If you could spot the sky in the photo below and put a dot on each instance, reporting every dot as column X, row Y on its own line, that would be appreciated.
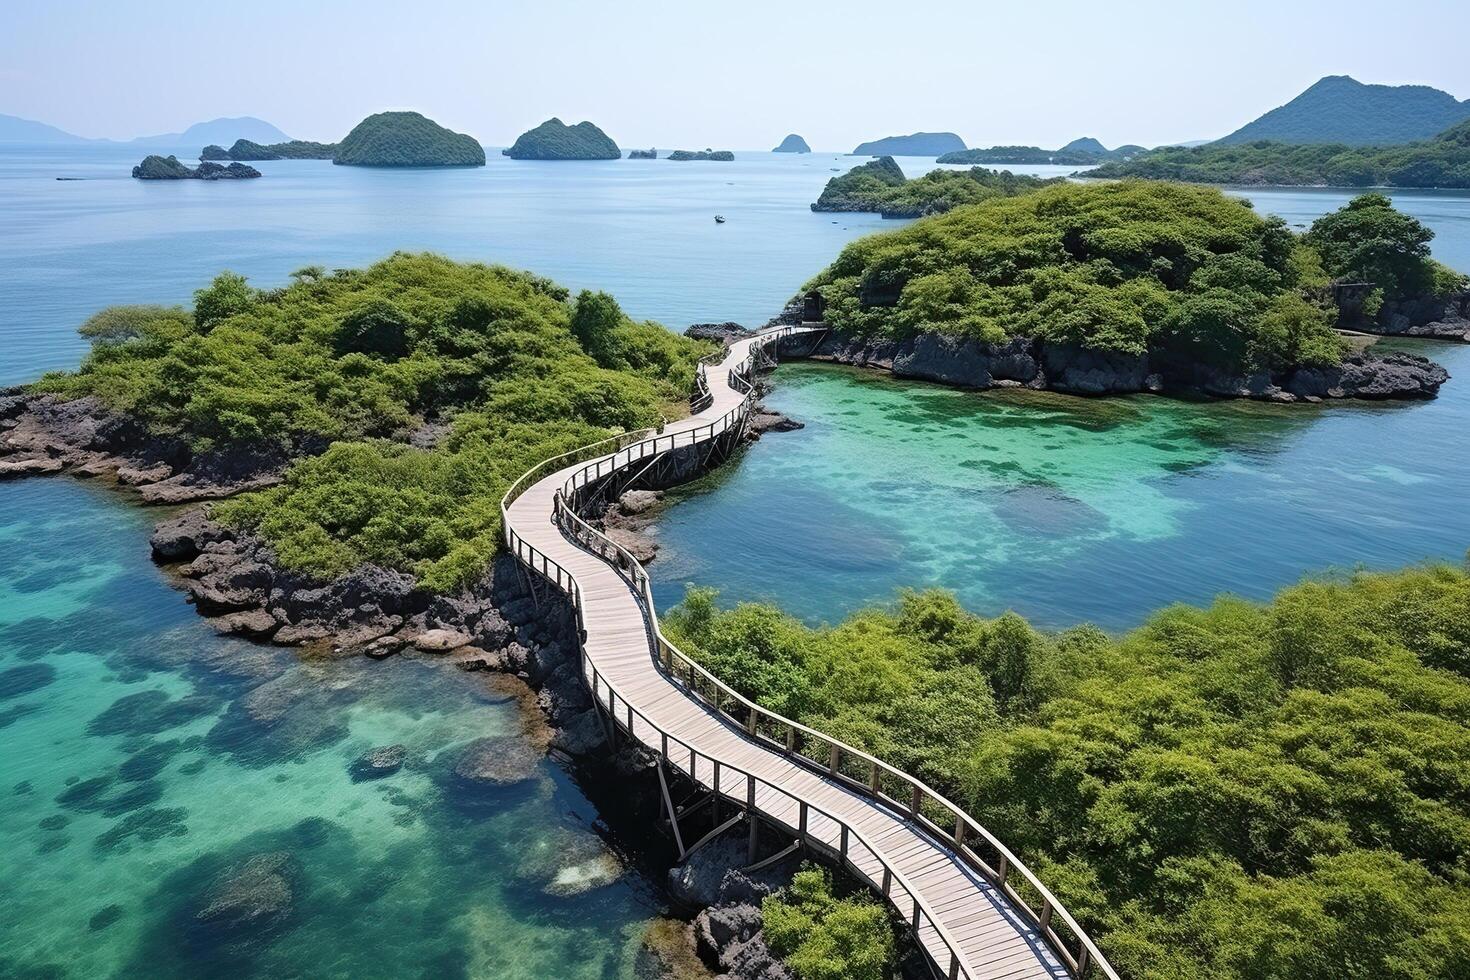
column 692, row 74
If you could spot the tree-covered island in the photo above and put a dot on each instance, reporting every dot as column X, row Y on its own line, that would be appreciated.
column 1120, row 287
column 407, row 139
column 880, row 185
column 719, row 156
column 155, row 167
column 249, row 151
column 391, row 405
column 555, row 140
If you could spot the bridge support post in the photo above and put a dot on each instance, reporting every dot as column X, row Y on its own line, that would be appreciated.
column 663, row 785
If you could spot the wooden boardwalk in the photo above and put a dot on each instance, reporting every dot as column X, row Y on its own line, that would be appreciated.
column 976, row 910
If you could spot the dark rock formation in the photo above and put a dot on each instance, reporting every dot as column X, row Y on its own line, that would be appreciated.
column 45, row 434
column 1438, row 317
column 155, row 167
column 726, row 333
column 1072, row 369
column 649, row 154
column 793, row 144
column 377, row 763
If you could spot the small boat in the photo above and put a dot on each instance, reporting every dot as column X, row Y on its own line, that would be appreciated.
column 719, row 219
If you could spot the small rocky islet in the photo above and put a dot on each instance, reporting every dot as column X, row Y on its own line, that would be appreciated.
column 155, row 167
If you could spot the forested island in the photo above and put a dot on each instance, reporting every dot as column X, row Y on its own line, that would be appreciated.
column 721, row 156
column 1241, row 791
column 1443, row 161
column 155, row 167
column 1126, row 286
column 880, row 185
column 648, row 154
column 913, row 145
column 320, row 387
column 792, row 144
column 555, row 140
column 248, row 151
column 1078, row 153
column 406, row 139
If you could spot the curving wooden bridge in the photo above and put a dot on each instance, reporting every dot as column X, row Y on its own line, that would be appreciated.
column 974, row 908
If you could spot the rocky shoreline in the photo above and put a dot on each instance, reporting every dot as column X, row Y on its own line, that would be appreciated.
column 1075, row 370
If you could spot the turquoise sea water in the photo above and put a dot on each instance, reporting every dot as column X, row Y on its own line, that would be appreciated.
column 133, row 769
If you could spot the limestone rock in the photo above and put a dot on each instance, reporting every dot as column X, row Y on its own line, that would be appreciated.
column 439, row 640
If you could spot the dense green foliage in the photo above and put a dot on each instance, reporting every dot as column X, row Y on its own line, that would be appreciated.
column 824, row 937
column 555, row 140
column 1129, row 267
column 290, row 150
column 1340, row 109
column 881, row 186
column 1275, row 790
column 721, row 156
column 913, row 145
column 1443, row 161
column 1078, row 153
column 648, row 154
column 1366, row 240
column 792, row 144
column 407, row 139
column 352, row 362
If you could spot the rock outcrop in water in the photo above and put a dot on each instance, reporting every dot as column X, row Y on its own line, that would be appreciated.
column 1072, row 369
column 45, row 434
column 250, row 901
column 723, row 156
column 793, row 144
column 155, row 167
column 649, row 154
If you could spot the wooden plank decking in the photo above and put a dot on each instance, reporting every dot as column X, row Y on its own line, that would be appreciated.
column 970, row 927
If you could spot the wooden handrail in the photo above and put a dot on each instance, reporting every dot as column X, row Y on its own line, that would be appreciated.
column 672, row 660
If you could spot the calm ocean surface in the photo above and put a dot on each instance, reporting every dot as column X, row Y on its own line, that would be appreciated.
column 143, row 753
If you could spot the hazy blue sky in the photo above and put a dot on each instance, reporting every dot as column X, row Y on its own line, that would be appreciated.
column 738, row 75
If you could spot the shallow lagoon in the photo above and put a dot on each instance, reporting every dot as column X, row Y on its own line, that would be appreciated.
column 143, row 754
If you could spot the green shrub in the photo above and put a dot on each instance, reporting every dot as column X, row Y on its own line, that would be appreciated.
column 823, row 937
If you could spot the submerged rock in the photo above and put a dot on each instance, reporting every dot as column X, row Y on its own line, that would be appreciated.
column 251, row 899
column 378, row 763
column 497, row 760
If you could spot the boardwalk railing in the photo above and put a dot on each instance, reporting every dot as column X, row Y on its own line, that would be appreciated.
column 943, row 821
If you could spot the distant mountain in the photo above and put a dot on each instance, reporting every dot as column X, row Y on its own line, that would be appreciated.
column 14, row 129
column 1440, row 162
column 221, row 132
column 1340, row 109
column 913, row 145
column 1085, row 145
column 793, row 144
